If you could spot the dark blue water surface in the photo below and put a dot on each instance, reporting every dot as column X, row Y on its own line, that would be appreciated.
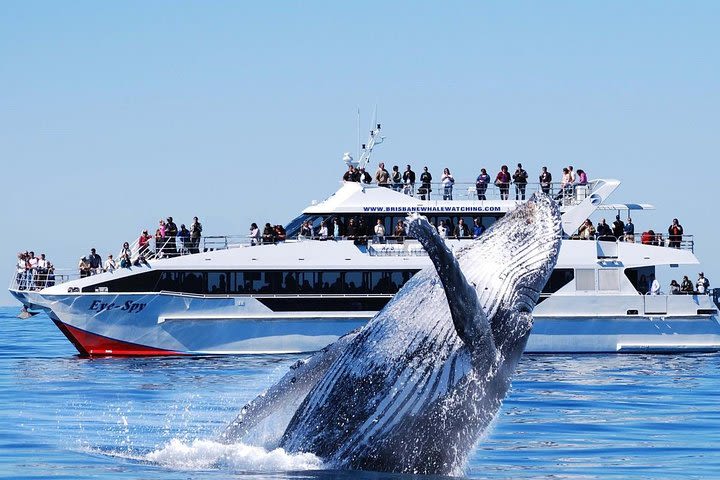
column 569, row 416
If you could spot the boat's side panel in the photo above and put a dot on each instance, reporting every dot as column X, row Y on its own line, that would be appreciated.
column 168, row 324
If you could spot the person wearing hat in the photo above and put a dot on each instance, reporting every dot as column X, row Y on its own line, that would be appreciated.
column 618, row 228
column 520, row 180
column 703, row 284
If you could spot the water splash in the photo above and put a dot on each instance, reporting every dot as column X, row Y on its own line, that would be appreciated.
column 203, row 454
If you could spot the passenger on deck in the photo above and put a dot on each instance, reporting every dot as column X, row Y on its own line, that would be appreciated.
column 686, row 286
column 675, row 233
column 481, row 184
column 703, row 284
column 279, row 232
column 382, row 177
column 478, row 228
column 337, row 229
column 581, row 177
column 520, row 180
column 462, row 231
column 573, row 177
column 125, row 256
column 171, row 232
column 409, row 180
column 654, row 286
column 618, row 228
column 502, row 181
column 379, row 230
column 364, row 177
column 41, row 271
column 84, row 267
column 647, row 238
column 565, row 185
column 195, row 234
column 95, row 262
column 674, row 287
column 447, row 181
column 586, row 230
column 400, row 230
column 352, row 229
column 143, row 243
column 21, row 274
column 160, row 239
column 268, row 235
column 396, row 178
column 110, row 265
column 545, row 181
column 604, row 232
column 426, row 183
column 442, row 229
column 183, row 241
column 254, row 234
column 323, row 231
column 351, row 175
column 629, row 231
column 306, row 230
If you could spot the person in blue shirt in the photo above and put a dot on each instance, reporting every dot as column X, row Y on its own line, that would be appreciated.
column 629, row 231
column 481, row 184
column 478, row 229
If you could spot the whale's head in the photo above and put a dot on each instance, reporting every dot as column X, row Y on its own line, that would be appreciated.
column 511, row 262
column 494, row 282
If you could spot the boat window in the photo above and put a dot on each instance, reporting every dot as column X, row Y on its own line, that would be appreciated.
column 217, row 282
column 488, row 220
column 331, row 282
column 585, row 279
column 259, row 282
column 558, row 279
column 608, row 279
column 353, row 282
column 640, row 277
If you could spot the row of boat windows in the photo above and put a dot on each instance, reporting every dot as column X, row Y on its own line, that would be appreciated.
column 260, row 282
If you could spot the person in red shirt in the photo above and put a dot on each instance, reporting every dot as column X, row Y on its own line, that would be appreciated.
column 675, row 233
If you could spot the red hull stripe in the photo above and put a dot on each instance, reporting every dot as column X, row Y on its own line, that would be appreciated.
column 97, row 345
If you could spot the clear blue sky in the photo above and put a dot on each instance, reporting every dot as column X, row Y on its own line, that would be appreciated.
column 114, row 114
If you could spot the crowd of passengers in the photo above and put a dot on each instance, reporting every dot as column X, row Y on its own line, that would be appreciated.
column 406, row 181
column 625, row 232
column 169, row 242
column 651, row 286
column 33, row 272
column 357, row 229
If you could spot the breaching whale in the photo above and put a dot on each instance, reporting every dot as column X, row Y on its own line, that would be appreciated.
column 413, row 390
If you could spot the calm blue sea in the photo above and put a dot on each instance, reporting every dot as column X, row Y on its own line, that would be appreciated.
column 604, row 416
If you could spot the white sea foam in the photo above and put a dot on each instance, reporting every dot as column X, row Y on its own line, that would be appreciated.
column 203, row 454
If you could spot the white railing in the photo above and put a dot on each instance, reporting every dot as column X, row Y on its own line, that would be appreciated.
column 178, row 246
column 686, row 242
column 393, row 248
column 37, row 280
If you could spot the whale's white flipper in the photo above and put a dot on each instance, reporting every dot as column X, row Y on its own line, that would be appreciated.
column 471, row 323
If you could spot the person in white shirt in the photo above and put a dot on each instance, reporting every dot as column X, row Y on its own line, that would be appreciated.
column 323, row 232
column 254, row 234
column 379, row 229
column 573, row 177
column 442, row 229
column 110, row 264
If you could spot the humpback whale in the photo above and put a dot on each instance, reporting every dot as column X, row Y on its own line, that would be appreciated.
column 413, row 390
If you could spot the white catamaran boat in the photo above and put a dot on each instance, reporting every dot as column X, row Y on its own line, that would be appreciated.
column 302, row 293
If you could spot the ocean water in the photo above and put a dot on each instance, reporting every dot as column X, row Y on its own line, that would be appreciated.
column 569, row 416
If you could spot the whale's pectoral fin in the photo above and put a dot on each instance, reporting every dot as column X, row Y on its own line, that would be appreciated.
column 291, row 389
column 470, row 321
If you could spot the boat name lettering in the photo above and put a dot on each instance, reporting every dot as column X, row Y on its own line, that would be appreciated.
column 129, row 306
column 428, row 209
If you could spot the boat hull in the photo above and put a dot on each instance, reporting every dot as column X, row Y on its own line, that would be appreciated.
column 167, row 324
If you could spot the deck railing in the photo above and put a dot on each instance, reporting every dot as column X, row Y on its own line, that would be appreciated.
column 564, row 194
